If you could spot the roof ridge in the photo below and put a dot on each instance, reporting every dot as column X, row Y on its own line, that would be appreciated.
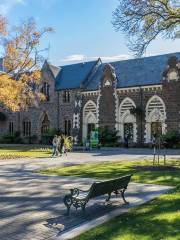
column 54, row 66
column 78, row 63
column 88, row 77
column 145, row 57
column 72, row 76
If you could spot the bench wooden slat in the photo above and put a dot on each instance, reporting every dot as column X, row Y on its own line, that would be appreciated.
column 79, row 198
column 98, row 189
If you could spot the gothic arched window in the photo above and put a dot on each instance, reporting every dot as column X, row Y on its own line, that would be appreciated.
column 45, row 124
column 26, row 128
column 45, row 90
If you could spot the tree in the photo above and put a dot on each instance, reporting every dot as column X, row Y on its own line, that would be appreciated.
column 19, row 83
column 143, row 20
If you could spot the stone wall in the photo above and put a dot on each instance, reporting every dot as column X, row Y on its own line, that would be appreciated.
column 35, row 114
column 171, row 94
column 107, row 99
column 66, row 109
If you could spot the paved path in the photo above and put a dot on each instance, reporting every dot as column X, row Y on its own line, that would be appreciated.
column 30, row 203
column 84, row 157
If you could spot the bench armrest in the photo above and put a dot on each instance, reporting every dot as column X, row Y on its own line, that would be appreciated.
column 76, row 191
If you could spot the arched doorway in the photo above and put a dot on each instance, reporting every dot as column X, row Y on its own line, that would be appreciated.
column 127, row 121
column 89, row 118
column 155, row 118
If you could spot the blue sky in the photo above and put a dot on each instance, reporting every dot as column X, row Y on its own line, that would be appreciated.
column 83, row 29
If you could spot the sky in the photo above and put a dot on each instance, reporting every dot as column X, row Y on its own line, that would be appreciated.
column 83, row 30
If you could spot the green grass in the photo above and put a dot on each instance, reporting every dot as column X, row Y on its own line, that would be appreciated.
column 23, row 151
column 158, row 219
column 109, row 170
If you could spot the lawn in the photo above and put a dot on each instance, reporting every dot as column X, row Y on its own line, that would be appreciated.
column 158, row 219
column 23, row 151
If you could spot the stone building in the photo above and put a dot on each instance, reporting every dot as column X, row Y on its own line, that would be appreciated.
column 137, row 97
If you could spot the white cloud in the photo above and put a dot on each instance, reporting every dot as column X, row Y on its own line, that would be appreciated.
column 115, row 58
column 74, row 58
column 82, row 57
column 7, row 5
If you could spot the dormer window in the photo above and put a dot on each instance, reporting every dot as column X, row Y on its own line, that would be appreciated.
column 173, row 75
column 66, row 96
column 45, row 91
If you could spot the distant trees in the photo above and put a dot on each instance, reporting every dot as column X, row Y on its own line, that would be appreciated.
column 21, row 60
column 143, row 20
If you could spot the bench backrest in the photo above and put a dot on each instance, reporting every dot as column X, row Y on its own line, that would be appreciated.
column 101, row 188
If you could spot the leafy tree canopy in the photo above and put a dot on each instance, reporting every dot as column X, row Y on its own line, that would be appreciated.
column 19, row 82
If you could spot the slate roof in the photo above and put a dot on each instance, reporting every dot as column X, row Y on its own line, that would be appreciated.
column 129, row 73
column 142, row 71
column 135, row 72
column 96, row 78
column 72, row 76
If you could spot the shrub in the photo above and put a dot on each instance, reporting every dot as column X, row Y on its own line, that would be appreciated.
column 12, row 138
column 108, row 137
column 51, row 132
column 3, row 117
column 47, row 137
column 31, row 139
column 171, row 139
column 7, row 138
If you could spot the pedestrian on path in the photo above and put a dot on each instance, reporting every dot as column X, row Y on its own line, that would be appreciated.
column 61, row 145
column 55, row 146
column 126, row 141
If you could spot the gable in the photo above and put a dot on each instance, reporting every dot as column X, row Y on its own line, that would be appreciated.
column 72, row 76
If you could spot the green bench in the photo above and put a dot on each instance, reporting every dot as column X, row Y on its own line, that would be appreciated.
column 79, row 198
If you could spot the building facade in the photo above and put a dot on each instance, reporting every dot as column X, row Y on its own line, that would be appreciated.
column 136, row 97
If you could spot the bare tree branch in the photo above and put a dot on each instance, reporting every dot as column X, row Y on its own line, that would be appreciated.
column 143, row 20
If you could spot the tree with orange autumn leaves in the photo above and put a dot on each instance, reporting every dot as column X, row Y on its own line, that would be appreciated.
column 20, row 80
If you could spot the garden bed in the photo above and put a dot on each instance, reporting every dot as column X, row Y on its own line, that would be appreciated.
column 156, row 168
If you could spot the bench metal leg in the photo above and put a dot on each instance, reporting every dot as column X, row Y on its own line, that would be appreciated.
column 68, row 202
column 123, row 197
column 83, row 207
column 108, row 198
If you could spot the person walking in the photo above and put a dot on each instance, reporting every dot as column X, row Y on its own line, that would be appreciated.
column 61, row 147
column 55, row 146
column 126, row 141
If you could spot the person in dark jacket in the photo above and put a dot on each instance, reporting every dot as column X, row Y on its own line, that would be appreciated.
column 126, row 141
column 61, row 146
